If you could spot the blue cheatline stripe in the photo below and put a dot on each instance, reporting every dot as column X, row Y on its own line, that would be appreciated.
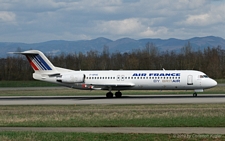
column 43, row 62
column 32, row 57
column 38, row 62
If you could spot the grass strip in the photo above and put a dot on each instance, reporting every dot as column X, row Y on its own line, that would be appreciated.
column 175, row 115
column 49, row 136
column 32, row 83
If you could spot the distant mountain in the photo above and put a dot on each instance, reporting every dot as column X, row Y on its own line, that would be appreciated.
column 55, row 47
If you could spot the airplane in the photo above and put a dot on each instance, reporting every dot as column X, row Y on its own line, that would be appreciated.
column 117, row 80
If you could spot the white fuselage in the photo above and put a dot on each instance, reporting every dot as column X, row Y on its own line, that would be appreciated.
column 44, row 70
column 141, row 80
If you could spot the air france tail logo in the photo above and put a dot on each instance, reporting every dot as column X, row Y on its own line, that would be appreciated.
column 37, row 62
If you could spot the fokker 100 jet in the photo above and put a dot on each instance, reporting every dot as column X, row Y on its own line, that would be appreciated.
column 117, row 80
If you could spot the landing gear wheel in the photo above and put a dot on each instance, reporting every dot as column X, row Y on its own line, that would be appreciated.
column 109, row 95
column 194, row 94
column 118, row 94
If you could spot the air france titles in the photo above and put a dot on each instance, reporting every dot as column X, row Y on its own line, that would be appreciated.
column 156, row 74
column 173, row 77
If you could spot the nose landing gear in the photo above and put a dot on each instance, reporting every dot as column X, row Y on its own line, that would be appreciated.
column 194, row 94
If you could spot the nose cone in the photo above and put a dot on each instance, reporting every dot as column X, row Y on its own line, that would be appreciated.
column 211, row 83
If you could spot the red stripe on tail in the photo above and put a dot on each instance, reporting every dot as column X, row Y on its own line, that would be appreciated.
column 32, row 64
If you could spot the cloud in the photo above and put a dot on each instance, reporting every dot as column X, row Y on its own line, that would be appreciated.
column 203, row 19
column 7, row 16
column 214, row 15
column 125, row 26
column 44, row 20
column 154, row 32
column 133, row 26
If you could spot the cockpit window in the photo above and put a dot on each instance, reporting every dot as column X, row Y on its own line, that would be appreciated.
column 203, row 76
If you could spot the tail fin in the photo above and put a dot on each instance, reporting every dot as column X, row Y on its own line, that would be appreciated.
column 39, row 62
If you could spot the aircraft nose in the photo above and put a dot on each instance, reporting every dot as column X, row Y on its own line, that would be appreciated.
column 209, row 83
column 213, row 83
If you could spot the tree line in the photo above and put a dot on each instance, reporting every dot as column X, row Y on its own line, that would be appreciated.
column 210, row 60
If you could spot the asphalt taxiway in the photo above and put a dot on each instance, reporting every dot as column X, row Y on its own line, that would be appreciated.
column 101, row 99
column 153, row 130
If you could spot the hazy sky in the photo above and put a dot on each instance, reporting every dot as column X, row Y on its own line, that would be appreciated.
column 32, row 21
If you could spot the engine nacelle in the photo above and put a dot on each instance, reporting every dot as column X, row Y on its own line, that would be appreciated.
column 70, row 78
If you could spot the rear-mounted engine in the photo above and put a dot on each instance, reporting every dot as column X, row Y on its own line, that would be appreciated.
column 70, row 78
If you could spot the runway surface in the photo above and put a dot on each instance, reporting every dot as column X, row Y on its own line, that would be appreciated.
column 153, row 130
column 127, row 99
column 101, row 99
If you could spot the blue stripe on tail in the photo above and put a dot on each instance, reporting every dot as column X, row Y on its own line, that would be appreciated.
column 40, row 62
column 44, row 63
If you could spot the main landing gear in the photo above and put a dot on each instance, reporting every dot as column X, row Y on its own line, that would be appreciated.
column 194, row 94
column 117, row 94
column 109, row 95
